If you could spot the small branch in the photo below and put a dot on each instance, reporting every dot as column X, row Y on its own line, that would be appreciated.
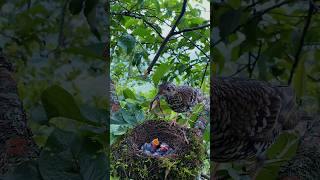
column 165, row 41
column 253, row 4
column 195, row 45
column 61, row 26
column 258, row 14
column 298, row 53
column 139, row 16
column 204, row 74
column 192, row 29
column 239, row 70
column 313, row 78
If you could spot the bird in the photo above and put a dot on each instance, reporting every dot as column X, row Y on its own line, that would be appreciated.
column 247, row 116
column 150, row 148
column 155, row 143
column 180, row 99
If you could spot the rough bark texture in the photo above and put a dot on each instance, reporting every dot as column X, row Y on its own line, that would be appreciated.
column 16, row 143
column 306, row 164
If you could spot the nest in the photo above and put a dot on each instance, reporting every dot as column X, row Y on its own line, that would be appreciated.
column 129, row 162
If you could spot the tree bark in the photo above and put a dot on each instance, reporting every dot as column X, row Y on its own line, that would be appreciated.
column 16, row 143
column 306, row 164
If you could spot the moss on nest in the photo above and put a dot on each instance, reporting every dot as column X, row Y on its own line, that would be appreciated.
column 127, row 162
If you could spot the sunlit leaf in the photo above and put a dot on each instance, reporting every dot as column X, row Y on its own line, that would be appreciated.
column 127, row 93
column 160, row 72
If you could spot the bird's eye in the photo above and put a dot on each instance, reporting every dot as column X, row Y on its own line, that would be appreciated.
column 168, row 88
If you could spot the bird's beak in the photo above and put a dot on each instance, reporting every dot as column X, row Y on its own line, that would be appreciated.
column 157, row 99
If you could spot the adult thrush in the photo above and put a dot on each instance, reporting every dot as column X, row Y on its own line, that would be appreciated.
column 247, row 116
column 180, row 99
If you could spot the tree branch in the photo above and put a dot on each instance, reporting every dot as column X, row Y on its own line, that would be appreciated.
column 298, row 53
column 204, row 73
column 61, row 25
column 313, row 78
column 165, row 41
column 192, row 29
column 138, row 16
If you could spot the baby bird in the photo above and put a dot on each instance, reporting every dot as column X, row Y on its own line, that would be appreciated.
column 179, row 98
column 150, row 148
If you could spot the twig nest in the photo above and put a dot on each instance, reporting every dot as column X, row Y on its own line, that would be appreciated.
column 128, row 161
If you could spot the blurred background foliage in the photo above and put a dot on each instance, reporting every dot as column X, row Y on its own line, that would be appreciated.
column 266, row 40
column 137, row 30
column 56, row 48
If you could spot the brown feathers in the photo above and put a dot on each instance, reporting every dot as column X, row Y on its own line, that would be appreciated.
column 247, row 116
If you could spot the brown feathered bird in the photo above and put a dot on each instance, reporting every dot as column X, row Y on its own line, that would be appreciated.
column 247, row 116
column 180, row 99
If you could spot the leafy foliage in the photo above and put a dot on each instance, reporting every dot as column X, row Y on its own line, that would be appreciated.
column 56, row 48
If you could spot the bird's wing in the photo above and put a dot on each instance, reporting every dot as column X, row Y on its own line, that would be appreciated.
column 249, row 107
column 188, row 95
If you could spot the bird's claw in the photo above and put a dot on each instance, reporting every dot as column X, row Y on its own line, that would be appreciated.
column 173, row 123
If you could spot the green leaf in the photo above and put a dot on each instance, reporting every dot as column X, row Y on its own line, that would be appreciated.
column 235, row 53
column 252, row 31
column 160, row 72
column 127, row 43
column 60, row 140
column 218, row 60
column 57, row 102
column 58, row 166
column 27, row 171
column 94, row 114
column 137, row 59
column 299, row 78
column 92, row 51
column 117, row 129
column 38, row 114
column 71, row 125
column 139, row 115
column 75, row 6
column 129, row 117
column 94, row 167
column 275, row 49
column 127, row 93
column 116, row 118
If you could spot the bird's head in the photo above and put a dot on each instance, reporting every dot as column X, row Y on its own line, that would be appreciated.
column 155, row 143
column 166, row 89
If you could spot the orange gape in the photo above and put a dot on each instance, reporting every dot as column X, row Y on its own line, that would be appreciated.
column 155, row 142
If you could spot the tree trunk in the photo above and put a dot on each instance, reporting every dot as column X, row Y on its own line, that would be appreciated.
column 16, row 143
column 306, row 164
